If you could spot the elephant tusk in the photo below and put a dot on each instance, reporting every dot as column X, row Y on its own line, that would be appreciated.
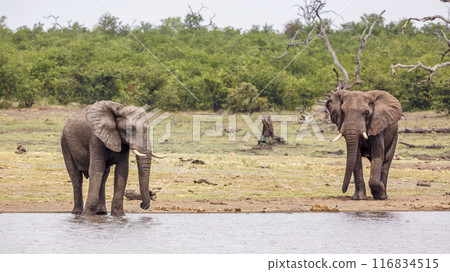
column 365, row 135
column 337, row 137
column 139, row 153
column 158, row 156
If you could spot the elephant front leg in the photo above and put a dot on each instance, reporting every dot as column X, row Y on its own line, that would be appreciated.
column 377, row 188
column 360, row 187
column 101, row 207
column 120, row 182
column 95, row 181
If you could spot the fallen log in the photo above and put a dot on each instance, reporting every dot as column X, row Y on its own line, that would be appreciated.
column 204, row 181
column 421, row 130
column 433, row 146
column 134, row 195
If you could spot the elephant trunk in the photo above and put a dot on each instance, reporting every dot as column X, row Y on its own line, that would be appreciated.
column 352, row 140
column 144, row 164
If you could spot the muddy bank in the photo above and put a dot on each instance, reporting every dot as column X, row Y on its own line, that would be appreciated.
column 251, row 205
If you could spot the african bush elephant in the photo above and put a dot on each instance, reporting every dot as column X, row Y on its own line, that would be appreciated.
column 94, row 139
column 369, row 123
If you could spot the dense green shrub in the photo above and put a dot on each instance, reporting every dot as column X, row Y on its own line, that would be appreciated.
column 186, row 64
column 246, row 98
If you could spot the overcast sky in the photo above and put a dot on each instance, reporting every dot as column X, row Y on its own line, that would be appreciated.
column 236, row 13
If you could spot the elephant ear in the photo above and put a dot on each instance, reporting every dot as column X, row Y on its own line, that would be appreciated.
column 101, row 117
column 387, row 111
column 334, row 107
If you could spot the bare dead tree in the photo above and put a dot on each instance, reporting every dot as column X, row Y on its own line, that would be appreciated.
column 307, row 11
column 317, row 8
column 197, row 16
column 309, row 37
column 431, row 69
column 55, row 18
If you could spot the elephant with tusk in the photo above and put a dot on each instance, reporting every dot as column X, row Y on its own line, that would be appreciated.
column 94, row 139
column 369, row 123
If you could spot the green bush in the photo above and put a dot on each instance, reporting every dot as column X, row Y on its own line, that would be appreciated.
column 245, row 98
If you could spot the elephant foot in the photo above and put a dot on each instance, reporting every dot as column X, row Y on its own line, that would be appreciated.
column 77, row 210
column 117, row 213
column 88, row 212
column 359, row 196
column 101, row 210
column 383, row 196
column 378, row 191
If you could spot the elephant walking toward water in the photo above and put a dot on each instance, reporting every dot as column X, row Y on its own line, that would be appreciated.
column 94, row 139
column 369, row 123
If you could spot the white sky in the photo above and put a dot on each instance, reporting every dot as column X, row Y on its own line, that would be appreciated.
column 236, row 13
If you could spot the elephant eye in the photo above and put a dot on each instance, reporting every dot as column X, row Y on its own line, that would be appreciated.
column 366, row 113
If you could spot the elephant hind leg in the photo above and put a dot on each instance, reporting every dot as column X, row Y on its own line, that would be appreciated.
column 387, row 164
column 77, row 184
column 75, row 176
column 101, row 207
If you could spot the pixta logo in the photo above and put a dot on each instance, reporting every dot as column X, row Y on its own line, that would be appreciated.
column 284, row 120
column 140, row 127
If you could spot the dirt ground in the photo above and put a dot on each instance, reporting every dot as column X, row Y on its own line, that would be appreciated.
column 254, row 205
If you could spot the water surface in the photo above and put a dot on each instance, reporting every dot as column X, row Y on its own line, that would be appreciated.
column 298, row 233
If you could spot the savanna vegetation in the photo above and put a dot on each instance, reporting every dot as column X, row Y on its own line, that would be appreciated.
column 211, row 68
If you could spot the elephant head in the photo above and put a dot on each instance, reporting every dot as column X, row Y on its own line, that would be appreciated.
column 117, row 127
column 361, row 115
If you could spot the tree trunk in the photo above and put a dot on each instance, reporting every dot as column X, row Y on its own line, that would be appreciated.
column 267, row 133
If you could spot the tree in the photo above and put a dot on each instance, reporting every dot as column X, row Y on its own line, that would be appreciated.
column 108, row 24
column 431, row 69
column 312, row 12
column 194, row 19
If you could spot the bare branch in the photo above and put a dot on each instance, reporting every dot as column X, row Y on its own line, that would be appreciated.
column 211, row 23
column 448, row 43
column 312, row 10
column 431, row 70
column 363, row 39
column 323, row 29
column 305, row 42
column 307, row 11
column 424, row 19
column 55, row 24
column 337, row 80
